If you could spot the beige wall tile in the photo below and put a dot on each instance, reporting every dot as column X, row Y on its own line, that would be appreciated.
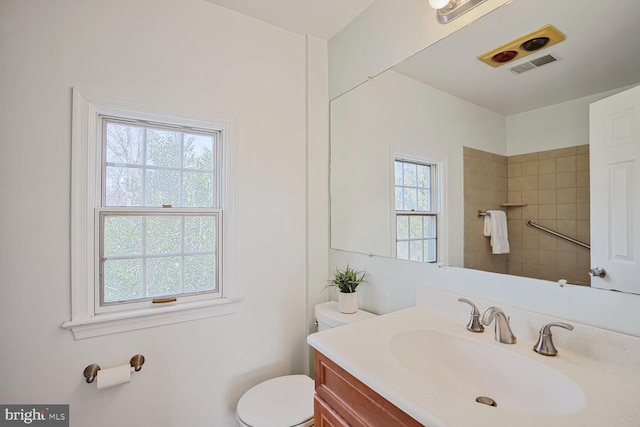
column 547, row 166
column 582, row 162
column 547, row 212
column 582, row 179
column 522, row 158
column 529, row 183
column 530, row 242
column 546, row 182
column 567, row 211
column 566, row 164
column 548, row 197
column 530, row 212
column 514, row 169
column 567, row 226
column 514, row 183
column 530, row 168
column 560, row 152
column 566, row 195
column 582, row 195
column 583, row 149
column 530, row 256
column 530, row 196
column 583, row 229
column 515, row 268
column 583, row 211
column 547, row 241
column 566, row 180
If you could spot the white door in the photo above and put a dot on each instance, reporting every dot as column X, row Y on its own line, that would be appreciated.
column 614, row 132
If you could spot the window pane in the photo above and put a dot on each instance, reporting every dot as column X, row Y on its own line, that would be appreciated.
column 164, row 234
column 430, row 250
column 198, row 152
column 398, row 173
column 162, row 188
column 415, row 227
column 430, row 227
column 402, row 250
column 163, row 147
column 402, row 232
column 199, row 234
column 200, row 273
column 424, row 176
column 124, row 143
column 123, row 186
column 197, row 189
column 410, row 174
column 415, row 250
column 122, row 235
column 424, row 200
column 410, row 202
column 163, row 276
column 122, row 279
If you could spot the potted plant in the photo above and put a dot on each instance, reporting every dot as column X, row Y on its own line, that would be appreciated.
column 347, row 281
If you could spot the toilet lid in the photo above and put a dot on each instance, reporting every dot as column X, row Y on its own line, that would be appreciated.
column 278, row 402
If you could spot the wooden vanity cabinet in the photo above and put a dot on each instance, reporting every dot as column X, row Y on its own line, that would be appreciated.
column 343, row 401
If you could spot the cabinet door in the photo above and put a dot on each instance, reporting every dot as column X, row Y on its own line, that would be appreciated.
column 325, row 416
column 352, row 401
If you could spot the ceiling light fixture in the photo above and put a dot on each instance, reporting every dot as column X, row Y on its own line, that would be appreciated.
column 448, row 10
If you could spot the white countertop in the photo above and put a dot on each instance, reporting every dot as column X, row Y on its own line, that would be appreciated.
column 612, row 390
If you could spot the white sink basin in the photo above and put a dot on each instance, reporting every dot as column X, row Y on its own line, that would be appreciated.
column 470, row 369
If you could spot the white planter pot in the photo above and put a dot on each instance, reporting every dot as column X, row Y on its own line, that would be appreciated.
column 348, row 302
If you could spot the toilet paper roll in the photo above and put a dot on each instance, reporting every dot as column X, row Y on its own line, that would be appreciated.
column 114, row 376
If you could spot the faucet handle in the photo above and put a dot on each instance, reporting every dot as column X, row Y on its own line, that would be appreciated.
column 474, row 324
column 545, row 345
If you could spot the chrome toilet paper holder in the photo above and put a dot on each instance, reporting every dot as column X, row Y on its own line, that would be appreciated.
column 91, row 372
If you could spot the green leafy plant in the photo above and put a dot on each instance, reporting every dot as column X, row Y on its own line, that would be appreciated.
column 347, row 280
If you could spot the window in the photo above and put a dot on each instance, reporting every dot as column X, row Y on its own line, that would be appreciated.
column 158, row 220
column 149, row 193
column 415, row 210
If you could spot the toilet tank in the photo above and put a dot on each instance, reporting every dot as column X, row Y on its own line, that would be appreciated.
column 328, row 316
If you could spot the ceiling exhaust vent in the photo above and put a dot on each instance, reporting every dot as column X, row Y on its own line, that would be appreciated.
column 534, row 63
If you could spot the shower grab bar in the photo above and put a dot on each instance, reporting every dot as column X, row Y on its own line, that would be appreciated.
column 531, row 223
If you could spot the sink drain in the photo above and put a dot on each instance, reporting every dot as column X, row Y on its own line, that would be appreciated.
column 486, row 401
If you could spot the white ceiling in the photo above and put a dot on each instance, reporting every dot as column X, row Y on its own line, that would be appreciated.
column 320, row 18
column 601, row 52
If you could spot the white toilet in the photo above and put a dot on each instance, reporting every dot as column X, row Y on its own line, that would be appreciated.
column 288, row 401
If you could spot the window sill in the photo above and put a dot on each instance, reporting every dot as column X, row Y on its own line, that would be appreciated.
column 111, row 323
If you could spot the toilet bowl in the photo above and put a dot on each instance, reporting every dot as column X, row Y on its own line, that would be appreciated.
column 287, row 401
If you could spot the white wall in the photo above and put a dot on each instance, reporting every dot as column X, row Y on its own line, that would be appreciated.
column 193, row 56
column 396, row 115
column 558, row 126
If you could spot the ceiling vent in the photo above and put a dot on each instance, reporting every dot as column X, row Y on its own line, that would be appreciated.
column 534, row 63
column 525, row 45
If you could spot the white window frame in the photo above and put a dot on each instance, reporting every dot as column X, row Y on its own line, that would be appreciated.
column 437, row 176
column 86, row 319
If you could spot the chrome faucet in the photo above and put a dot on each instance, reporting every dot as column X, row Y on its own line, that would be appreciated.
column 545, row 345
column 503, row 331
column 474, row 324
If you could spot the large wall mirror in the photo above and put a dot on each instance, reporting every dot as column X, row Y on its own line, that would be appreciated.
column 514, row 137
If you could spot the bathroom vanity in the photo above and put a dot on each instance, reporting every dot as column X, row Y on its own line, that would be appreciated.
column 421, row 366
column 341, row 400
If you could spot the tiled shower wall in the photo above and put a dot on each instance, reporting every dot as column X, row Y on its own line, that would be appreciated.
column 485, row 187
column 554, row 186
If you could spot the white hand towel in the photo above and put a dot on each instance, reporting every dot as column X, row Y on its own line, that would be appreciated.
column 499, row 233
column 487, row 226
